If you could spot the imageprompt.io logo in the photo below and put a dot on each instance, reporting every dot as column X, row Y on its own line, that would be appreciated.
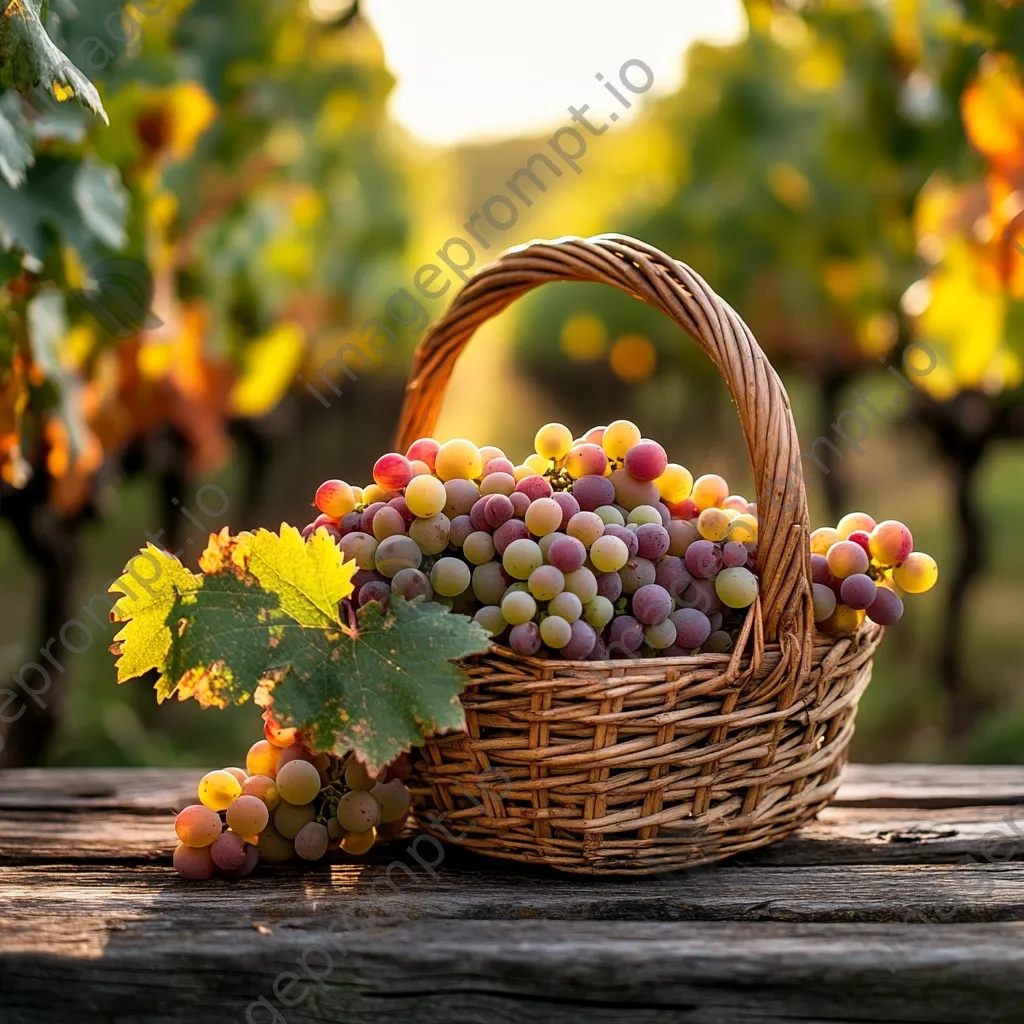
column 121, row 298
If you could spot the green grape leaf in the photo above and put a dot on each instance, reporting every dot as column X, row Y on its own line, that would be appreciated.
column 385, row 688
column 15, row 140
column 29, row 58
column 264, row 619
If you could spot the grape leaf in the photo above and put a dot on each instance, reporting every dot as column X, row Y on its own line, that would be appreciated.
column 265, row 616
column 28, row 57
column 15, row 140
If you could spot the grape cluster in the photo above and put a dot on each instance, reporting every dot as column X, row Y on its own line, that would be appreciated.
column 287, row 803
column 594, row 547
column 863, row 568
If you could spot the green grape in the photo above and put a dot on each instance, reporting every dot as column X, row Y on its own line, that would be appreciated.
column 288, row 818
column 517, row 607
column 394, row 800
column 521, row 557
column 450, row 576
column 644, row 514
column 273, row 847
column 555, row 631
column 489, row 583
column 718, row 643
column 218, row 790
column 736, row 587
column 566, row 606
column 581, row 582
column 248, row 815
column 546, row 582
column 491, row 619
column 312, row 841
column 610, row 515
column 661, row 634
column 358, row 811
column 430, row 534
column 298, row 782
column 599, row 611
column 478, row 547
column 608, row 554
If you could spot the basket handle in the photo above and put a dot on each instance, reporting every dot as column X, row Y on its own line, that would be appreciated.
column 648, row 274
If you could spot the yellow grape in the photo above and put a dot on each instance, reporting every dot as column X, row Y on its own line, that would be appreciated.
column 419, row 468
column 239, row 773
column 543, row 516
column 609, row 554
column 298, row 782
column 262, row 759
column 891, row 543
column 425, row 496
column 522, row 472
column 335, row 498
column 842, row 621
column 197, row 825
column 358, row 843
column 822, row 539
column 490, row 451
column 356, row 775
column 537, row 463
column 917, row 574
column 218, row 790
column 854, row 521
column 619, row 437
column 743, row 528
column 553, row 441
column 713, row 524
column 675, row 484
column 374, row 492
column 458, row 459
column 709, row 491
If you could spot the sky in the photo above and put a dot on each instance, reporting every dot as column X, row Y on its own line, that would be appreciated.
column 480, row 70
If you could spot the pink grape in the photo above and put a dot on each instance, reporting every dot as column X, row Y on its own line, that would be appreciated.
column 252, row 858
column 581, row 641
column 490, row 581
column 499, row 465
column 820, row 572
column 692, row 627
column 734, row 554
column 863, row 539
column 534, row 487
column 566, row 553
column 520, row 503
column 392, row 472
column 459, row 529
column 858, row 591
column 651, row 604
column 630, row 492
column 512, row 530
column 685, row 510
column 525, row 638
column 570, row 506
column 352, row 521
column 646, row 461
column 498, row 509
column 845, row 558
column 672, row 574
column 891, row 543
column 411, row 583
column 397, row 553
column 460, row 496
column 609, row 585
column 682, row 534
column 311, row 841
column 628, row 537
column 424, row 450
column 335, row 498
column 586, row 460
column 248, row 815
column 228, row 851
column 388, row 522
column 703, row 559
column 591, row 492
column 478, row 514
column 886, row 608
column 625, row 634
column 498, row 483
column 653, row 541
column 194, row 863
column 198, row 826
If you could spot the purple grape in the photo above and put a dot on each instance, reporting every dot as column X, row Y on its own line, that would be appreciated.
column 366, row 517
column 637, row 573
column 363, row 576
column 352, row 521
column 715, row 618
column 307, row 530
column 600, row 651
column 886, row 608
column 525, row 638
column 703, row 559
column 701, row 594
column 820, row 572
column 520, row 502
column 388, row 522
column 592, row 492
column 570, row 506
column 581, row 643
column 626, row 535
column 397, row 552
column 497, row 510
column 513, row 529
column 461, row 527
column 676, row 651
column 403, row 509
column 462, row 495
column 734, row 554
column 609, row 585
column 666, row 515
column 411, row 583
column 652, row 604
column 477, row 516
column 672, row 574
column 625, row 635
column 652, row 541
column 692, row 627
column 858, row 591
column 534, row 487
column 567, row 553
column 374, row 591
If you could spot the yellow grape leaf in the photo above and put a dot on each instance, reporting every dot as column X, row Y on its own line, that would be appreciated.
column 270, row 364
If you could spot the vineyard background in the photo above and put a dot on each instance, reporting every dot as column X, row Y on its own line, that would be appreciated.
column 847, row 174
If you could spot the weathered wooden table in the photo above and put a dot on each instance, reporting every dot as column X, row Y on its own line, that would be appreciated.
column 905, row 902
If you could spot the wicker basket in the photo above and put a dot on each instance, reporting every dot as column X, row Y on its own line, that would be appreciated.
column 650, row 764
